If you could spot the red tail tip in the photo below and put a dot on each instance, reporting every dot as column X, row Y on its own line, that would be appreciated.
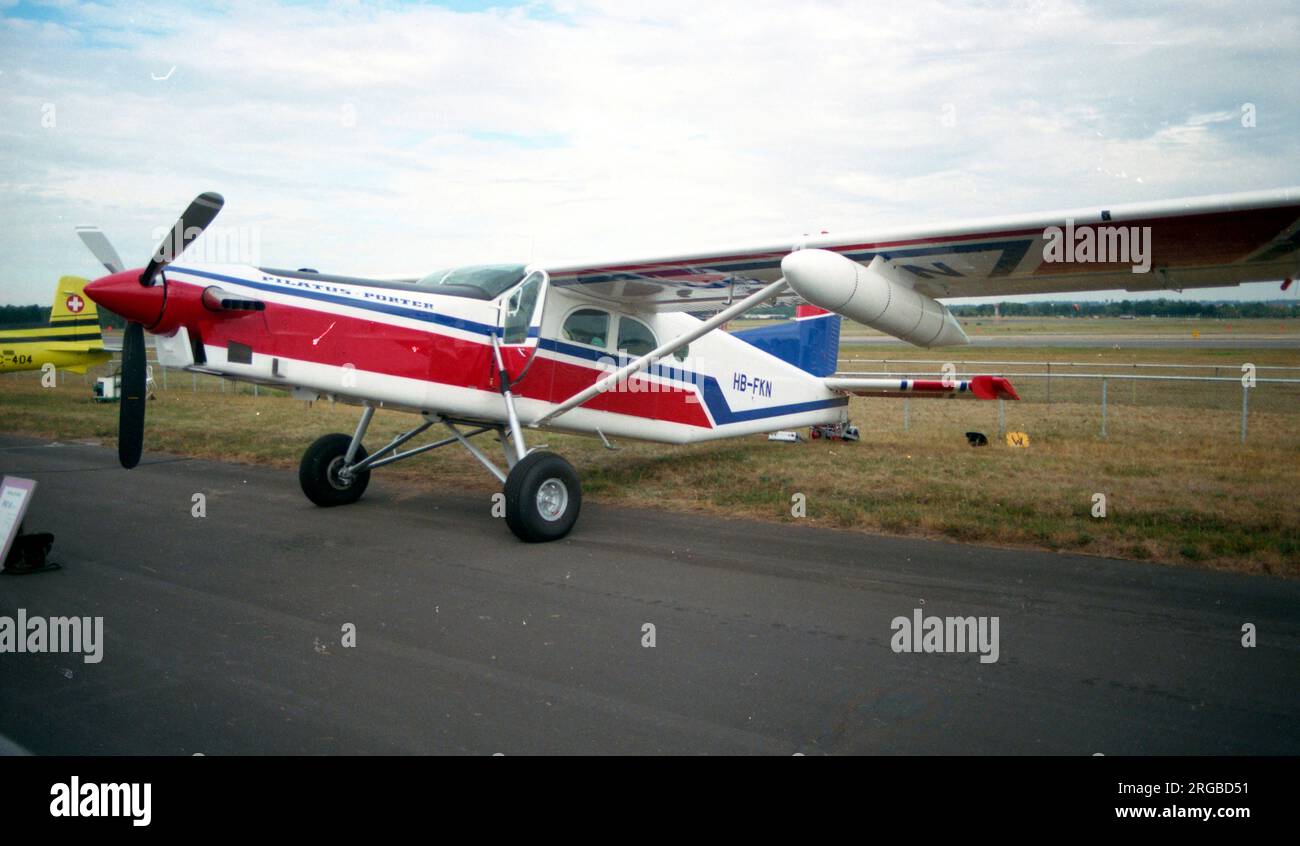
column 993, row 387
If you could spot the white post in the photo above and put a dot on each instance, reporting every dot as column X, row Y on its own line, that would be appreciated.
column 1245, row 409
column 1103, row 408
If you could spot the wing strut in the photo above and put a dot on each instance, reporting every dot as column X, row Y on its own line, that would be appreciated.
column 668, row 348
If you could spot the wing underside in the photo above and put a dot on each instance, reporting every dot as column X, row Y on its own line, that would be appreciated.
column 1202, row 242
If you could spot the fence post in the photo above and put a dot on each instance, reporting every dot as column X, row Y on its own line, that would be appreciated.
column 1049, row 382
column 906, row 413
column 1103, row 408
column 1002, row 418
column 1245, row 409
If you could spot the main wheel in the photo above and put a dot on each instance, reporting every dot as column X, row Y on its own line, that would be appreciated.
column 318, row 473
column 542, row 497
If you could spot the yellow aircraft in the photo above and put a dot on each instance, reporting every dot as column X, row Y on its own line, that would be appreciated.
column 71, row 340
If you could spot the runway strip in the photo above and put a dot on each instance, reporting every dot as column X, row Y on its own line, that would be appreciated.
column 1179, row 342
column 222, row 633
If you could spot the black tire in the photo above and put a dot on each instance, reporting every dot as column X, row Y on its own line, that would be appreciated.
column 526, row 511
column 317, row 473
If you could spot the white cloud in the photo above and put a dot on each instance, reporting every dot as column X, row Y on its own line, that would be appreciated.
column 393, row 138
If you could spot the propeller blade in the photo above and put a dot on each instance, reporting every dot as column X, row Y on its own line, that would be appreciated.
column 130, row 419
column 189, row 226
column 99, row 245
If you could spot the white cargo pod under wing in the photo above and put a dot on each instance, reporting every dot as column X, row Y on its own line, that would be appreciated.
column 876, row 295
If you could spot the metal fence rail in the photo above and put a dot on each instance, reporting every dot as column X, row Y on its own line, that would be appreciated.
column 165, row 379
column 1052, row 371
column 1278, row 394
column 1048, row 365
column 1285, row 398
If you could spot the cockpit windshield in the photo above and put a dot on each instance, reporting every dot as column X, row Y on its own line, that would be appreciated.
column 480, row 281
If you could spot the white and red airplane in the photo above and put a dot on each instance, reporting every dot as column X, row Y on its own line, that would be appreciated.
column 615, row 348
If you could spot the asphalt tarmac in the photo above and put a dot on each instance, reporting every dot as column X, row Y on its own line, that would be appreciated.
column 223, row 633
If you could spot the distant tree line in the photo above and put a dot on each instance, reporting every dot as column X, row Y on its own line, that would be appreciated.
column 1116, row 308
column 12, row 315
column 1135, row 308
column 18, row 315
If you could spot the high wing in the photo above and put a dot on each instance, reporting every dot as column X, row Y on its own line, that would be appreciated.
column 1199, row 242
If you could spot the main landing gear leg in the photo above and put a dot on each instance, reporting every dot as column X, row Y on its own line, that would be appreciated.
column 543, row 495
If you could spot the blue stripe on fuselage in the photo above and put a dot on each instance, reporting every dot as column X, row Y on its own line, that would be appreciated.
column 714, row 400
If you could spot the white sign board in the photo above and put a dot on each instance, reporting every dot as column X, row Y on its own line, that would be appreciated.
column 15, row 496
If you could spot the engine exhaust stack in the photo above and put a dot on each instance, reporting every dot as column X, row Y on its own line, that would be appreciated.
column 876, row 295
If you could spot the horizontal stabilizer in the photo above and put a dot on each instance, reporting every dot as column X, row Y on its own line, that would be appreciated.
column 73, row 346
column 976, row 387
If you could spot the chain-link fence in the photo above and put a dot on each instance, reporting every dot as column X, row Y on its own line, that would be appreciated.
column 1105, row 387
column 1218, row 388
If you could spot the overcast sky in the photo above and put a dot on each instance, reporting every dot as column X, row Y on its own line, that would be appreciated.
column 393, row 138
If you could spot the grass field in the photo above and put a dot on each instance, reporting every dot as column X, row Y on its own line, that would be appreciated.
column 1179, row 486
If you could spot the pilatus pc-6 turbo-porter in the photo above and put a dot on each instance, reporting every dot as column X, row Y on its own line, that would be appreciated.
column 614, row 348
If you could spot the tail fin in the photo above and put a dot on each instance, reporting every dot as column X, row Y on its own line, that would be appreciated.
column 72, row 308
column 811, row 342
column 70, row 300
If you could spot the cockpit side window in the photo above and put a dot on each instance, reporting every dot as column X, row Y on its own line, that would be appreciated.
column 588, row 326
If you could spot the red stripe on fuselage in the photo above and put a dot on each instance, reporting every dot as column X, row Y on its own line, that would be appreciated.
column 307, row 334
column 556, row 381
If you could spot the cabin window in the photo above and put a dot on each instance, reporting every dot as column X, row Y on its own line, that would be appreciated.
column 588, row 326
column 634, row 337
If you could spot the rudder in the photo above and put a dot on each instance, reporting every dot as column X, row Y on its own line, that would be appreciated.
column 71, row 302
column 810, row 342
column 75, row 313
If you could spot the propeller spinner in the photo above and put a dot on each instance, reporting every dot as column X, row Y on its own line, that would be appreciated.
column 137, row 298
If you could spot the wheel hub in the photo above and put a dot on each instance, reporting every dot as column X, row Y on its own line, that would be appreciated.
column 334, row 473
column 552, row 499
